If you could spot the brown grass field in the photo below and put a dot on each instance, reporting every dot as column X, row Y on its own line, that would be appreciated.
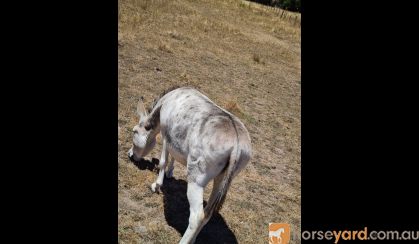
column 246, row 59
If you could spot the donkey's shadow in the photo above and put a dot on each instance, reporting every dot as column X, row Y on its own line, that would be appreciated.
column 176, row 210
column 144, row 164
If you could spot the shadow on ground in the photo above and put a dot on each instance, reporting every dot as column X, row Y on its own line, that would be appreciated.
column 144, row 164
column 176, row 211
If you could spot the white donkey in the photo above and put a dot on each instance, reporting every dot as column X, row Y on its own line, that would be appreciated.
column 213, row 144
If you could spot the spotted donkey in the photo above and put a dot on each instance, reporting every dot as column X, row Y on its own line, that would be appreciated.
column 212, row 143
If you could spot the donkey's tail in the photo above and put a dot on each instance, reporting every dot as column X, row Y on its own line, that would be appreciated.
column 223, row 187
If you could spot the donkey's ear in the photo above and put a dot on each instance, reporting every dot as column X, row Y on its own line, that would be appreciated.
column 141, row 111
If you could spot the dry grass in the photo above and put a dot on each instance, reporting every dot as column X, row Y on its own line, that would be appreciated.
column 234, row 108
column 212, row 45
column 165, row 48
column 258, row 59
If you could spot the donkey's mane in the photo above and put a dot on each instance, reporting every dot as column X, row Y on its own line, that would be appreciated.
column 155, row 100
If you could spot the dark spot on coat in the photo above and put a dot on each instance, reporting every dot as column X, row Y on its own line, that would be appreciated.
column 167, row 137
column 180, row 133
column 202, row 126
column 202, row 166
column 176, row 139
column 192, row 158
column 221, row 164
column 214, row 111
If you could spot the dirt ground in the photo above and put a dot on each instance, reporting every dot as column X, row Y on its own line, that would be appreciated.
column 245, row 58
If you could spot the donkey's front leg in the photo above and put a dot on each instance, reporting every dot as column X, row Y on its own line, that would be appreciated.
column 170, row 167
column 162, row 164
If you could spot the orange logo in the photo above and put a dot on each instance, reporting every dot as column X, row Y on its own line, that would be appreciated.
column 279, row 233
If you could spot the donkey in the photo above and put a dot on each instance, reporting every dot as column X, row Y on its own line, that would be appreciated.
column 212, row 143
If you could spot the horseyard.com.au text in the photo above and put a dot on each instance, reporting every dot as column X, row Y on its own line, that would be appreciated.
column 363, row 234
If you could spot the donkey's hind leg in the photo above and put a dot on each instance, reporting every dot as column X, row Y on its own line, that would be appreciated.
column 208, row 211
column 195, row 194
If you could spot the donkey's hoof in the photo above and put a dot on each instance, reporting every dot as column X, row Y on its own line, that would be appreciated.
column 155, row 187
column 130, row 153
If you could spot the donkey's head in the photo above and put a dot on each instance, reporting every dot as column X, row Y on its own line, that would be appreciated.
column 144, row 139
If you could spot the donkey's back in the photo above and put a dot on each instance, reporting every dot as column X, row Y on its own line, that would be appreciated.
column 194, row 127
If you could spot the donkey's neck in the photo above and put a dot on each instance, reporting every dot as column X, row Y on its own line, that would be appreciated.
column 154, row 132
column 153, row 121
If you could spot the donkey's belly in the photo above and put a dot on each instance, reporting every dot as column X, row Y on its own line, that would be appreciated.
column 179, row 157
